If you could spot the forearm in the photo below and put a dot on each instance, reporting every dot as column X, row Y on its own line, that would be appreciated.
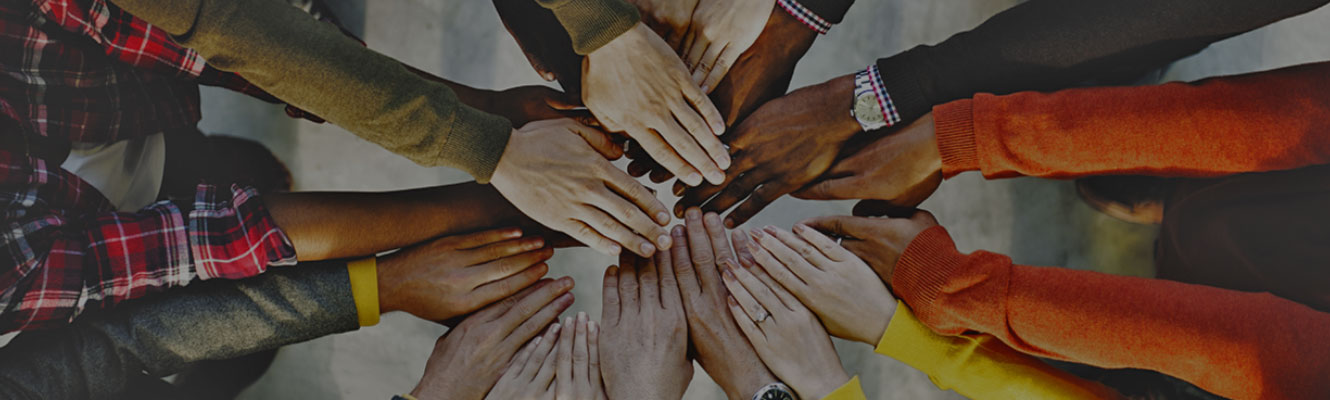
column 325, row 226
column 1053, row 44
column 592, row 23
column 1234, row 344
column 1274, row 120
column 98, row 355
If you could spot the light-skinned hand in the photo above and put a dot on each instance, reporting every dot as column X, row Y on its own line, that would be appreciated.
column 636, row 84
column 903, row 168
column 578, row 376
column 783, row 146
column 470, row 358
column 550, row 173
column 644, row 344
column 721, row 348
column 877, row 241
column 530, row 376
column 788, row 337
column 828, row 279
column 456, row 275
column 720, row 31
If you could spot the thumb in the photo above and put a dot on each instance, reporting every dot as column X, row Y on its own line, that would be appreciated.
column 829, row 189
column 599, row 140
column 857, row 228
column 564, row 102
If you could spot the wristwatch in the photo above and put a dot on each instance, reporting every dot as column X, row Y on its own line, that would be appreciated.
column 775, row 391
column 867, row 107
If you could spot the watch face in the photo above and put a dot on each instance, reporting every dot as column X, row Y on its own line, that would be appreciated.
column 867, row 109
column 776, row 394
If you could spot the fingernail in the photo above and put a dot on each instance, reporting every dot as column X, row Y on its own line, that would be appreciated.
column 705, row 89
column 800, row 228
column 712, row 218
column 724, row 161
column 581, row 317
column 727, row 274
column 677, row 231
column 535, row 244
column 716, row 177
column 693, row 213
column 593, row 326
column 515, row 233
column 568, row 321
column 771, row 230
column 565, row 282
column 729, row 223
column 615, row 250
column 535, row 341
column 663, row 218
column 693, row 179
column 732, row 301
column 664, row 241
column 756, row 234
column 647, row 249
column 566, row 298
column 554, row 327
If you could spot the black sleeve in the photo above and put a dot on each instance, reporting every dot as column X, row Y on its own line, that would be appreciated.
column 1053, row 44
column 102, row 355
column 831, row 10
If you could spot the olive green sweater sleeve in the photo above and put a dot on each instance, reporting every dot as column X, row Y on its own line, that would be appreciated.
column 312, row 65
column 593, row 23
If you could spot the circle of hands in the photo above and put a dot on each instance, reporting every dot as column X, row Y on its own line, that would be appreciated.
column 737, row 303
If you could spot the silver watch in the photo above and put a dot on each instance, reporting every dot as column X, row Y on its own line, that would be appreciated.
column 867, row 107
column 775, row 391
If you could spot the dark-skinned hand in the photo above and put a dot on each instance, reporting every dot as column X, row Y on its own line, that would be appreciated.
column 902, row 169
column 783, row 146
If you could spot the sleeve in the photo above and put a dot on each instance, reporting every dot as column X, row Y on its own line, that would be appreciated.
column 979, row 366
column 1053, row 44
column 67, row 251
column 593, row 23
column 832, row 11
column 1273, row 120
column 99, row 356
column 851, row 390
column 1233, row 344
column 282, row 50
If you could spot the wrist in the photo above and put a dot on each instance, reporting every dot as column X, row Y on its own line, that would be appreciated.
column 795, row 37
column 822, row 386
column 878, row 326
column 743, row 386
column 836, row 96
column 388, row 282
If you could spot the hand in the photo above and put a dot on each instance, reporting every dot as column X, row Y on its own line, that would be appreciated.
column 530, row 376
column 721, row 347
column 456, row 275
column 831, row 281
column 788, row 337
column 551, row 174
column 636, row 84
column 644, row 348
column 579, row 361
column 759, row 75
column 721, row 30
column 784, row 145
column 526, row 104
column 543, row 40
column 878, row 241
column 470, row 358
column 669, row 18
column 903, row 168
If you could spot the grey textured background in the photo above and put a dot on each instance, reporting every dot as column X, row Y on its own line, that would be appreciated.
column 1036, row 222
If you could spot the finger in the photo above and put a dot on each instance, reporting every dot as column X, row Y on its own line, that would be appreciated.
column 493, row 291
column 794, row 252
column 699, row 245
column 539, row 320
column 689, row 40
column 694, row 124
column 824, row 244
column 649, row 284
column 544, row 374
column 706, row 108
column 736, row 191
column 742, row 246
column 538, row 301
column 720, row 246
column 584, row 233
column 612, row 228
column 688, row 145
column 659, row 174
column 581, row 354
column 609, row 297
column 599, row 140
column 695, row 52
column 722, row 67
column 646, row 201
column 638, row 168
column 842, row 226
column 520, row 360
column 474, row 240
column 832, row 189
column 502, row 250
column 544, row 348
column 782, row 273
column 749, row 328
column 669, row 283
column 593, row 355
column 629, row 288
column 651, row 235
column 563, row 375
column 684, row 272
column 783, row 294
column 761, row 198
column 666, row 155
column 764, row 295
column 497, row 310
column 752, row 307
column 707, row 63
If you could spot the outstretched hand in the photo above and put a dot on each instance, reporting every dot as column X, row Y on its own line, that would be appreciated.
column 720, row 31
column 880, row 242
column 903, row 169
column 644, row 345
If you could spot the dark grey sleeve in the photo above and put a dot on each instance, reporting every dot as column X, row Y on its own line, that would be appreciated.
column 98, row 355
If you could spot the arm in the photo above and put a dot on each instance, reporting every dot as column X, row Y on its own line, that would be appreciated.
column 1234, row 344
column 1052, row 44
column 99, row 355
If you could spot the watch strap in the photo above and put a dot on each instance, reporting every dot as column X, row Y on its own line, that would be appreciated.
column 869, row 83
column 777, row 390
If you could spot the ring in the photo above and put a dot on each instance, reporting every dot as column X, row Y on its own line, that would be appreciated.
column 762, row 316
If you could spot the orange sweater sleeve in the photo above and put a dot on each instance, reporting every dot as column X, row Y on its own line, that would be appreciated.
column 1264, row 121
column 1234, row 344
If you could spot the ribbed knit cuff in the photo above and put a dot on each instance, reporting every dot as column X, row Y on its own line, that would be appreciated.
column 476, row 143
column 901, row 81
column 365, row 289
column 851, row 390
column 593, row 23
column 924, row 268
column 953, row 123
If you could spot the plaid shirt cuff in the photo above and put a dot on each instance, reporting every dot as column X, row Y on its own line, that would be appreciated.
column 806, row 16
column 233, row 237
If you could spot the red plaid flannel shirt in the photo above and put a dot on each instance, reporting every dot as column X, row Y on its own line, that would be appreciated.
column 85, row 71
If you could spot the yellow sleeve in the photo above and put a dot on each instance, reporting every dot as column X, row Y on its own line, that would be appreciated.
column 849, row 391
column 980, row 366
column 365, row 289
